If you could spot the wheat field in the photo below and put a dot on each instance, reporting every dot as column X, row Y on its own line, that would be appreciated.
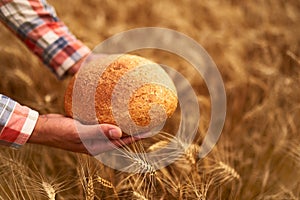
column 255, row 45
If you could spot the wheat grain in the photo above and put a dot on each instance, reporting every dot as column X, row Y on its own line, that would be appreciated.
column 192, row 153
column 139, row 159
column 189, row 158
column 220, row 172
column 49, row 189
column 139, row 196
column 229, row 170
column 293, row 150
column 104, row 182
column 23, row 77
column 158, row 145
column 90, row 193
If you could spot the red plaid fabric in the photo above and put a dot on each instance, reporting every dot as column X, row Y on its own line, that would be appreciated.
column 37, row 25
column 16, row 122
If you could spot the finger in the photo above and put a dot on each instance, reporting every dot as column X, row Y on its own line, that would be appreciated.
column 52, row 115
column 111, row 131
column 124, row 141
column 95, row 147
column 144, row 135
column 113, row 144
column 100, row 131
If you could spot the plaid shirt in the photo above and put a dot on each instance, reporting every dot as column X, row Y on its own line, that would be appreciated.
column 16, row 122
column 37, row 25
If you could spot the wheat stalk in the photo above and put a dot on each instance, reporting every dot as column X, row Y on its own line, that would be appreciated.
column 293, row 56
column 7, row 192
column 173, row 183
column 197, row 186
column 282, row 193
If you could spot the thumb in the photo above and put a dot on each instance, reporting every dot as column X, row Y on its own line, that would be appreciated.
column 99, row 131
column 111, row 131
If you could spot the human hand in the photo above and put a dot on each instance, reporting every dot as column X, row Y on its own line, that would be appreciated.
column 86, row 59
column 62, row 132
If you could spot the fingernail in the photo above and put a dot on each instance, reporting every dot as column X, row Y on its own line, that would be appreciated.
column 114, row 133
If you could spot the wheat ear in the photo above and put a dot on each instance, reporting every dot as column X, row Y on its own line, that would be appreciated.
column 104, row 182
column 229, row 170
column 90, row 193
column 49, row 189
column 139, row 196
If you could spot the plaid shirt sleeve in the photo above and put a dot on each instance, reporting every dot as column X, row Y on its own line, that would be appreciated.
column 37, row 25
column 16, row 122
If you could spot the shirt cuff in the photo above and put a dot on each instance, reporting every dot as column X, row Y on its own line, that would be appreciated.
column 62, row 62
column 16, row 123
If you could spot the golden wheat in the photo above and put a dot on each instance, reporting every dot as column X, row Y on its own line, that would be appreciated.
column 192, row 153
column 50, row 191
column 158, row 145
column 282, row 193
column 293, row 56
column 173, row 183
column 90, row 193
column 293, row 149
column 257, row 54
column 228, row 170
column 198, row 186
column 104, row 182
column 139, row 196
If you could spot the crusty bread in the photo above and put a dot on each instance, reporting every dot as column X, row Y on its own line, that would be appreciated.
column 126, row 90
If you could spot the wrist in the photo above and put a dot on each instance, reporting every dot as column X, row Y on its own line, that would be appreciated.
column 37, row 135
column 75, row 68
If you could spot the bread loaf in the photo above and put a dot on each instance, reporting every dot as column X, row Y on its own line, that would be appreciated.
column 126, row 90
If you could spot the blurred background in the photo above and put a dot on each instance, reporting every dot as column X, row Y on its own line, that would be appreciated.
column 255, row 45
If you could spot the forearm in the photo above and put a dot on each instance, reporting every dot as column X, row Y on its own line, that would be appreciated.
column 39, row 134
column 36, row 24
column 54, row 130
